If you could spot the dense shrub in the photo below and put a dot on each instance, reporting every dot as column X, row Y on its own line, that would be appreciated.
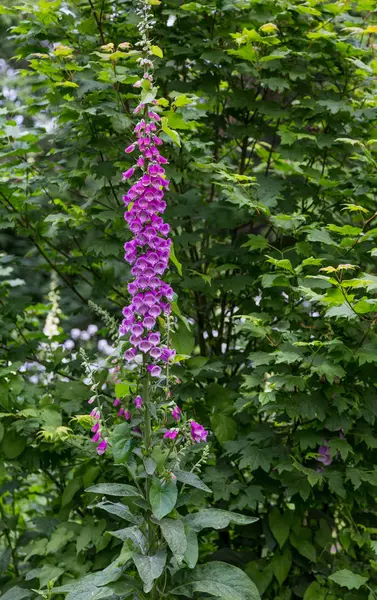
column 270, row 122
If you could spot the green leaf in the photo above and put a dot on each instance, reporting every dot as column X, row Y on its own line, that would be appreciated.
column 183, row 340
column 134, row 534
column 150, row 465
column 114, row 489
column 255, row 457
column 12, row 444
column 256, row 242
column 49, row 573
column 163, row 497
column 175, row 260
column 84, row 539
column 221, row 580
column 348, row 579
column 157, row 51
column 192, row 479
column 315, row 592
column 120, row 510
column 280, row 525
column 216, row 519
column 170, row 132
column 223, row 427
column 281, row 565
column 70, row 490
column 303, row 545
column 5, row 557
column 124, row 389
column 192, row 550
column 16, row 593
column 121, row 442
column 149, row 568
column 174, row 533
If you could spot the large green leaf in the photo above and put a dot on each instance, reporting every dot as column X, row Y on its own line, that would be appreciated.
column 134, row 534
column 192, row 549
column 281, row 565
column 280, row 525
column 303, row 544
column 192, row 479
column 221, row 580
column 348, row 579
column 12, row 444
column 71, row 489
column 162, row 496
column 174, row 533
column 216, row 519
column 150, row 568
column 120, row 510
column 5, row 557
column 114, row 489
column 315, row 592
column 121, row 442
column 224, row 427
column 16, row 593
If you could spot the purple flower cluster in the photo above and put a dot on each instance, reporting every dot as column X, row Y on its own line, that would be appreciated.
column 148, row 251
column 197, row 431
column 96, row 430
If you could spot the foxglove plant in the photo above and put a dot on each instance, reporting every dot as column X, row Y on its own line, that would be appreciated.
column 162, row 450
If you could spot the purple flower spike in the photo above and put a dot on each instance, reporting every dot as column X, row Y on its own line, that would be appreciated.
column 171, row 434
column 95, row 427
column 176, row 413
column 138, row 402
column 101, row 448
column 198, row 433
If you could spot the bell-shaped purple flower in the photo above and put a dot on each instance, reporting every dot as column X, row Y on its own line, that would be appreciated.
column 171, row 434
column 176, row 413
column 101, row 448
column 154, row 370
column 96, row 437
column 198, row 433
column 127, row 174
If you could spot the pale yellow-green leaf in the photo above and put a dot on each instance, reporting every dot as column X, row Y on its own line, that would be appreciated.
column 268, row 28
column 371, row 29
column 156, row 50
column 70, row 84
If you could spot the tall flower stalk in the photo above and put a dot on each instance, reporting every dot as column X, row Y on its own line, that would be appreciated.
column 161, row 548
column 146, row 319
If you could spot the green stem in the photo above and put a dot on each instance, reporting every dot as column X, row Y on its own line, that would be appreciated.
column 147, row 415
column 371, row 591
column 147, row 444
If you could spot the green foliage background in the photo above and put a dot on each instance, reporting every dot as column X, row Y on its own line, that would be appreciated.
column 270, row 128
